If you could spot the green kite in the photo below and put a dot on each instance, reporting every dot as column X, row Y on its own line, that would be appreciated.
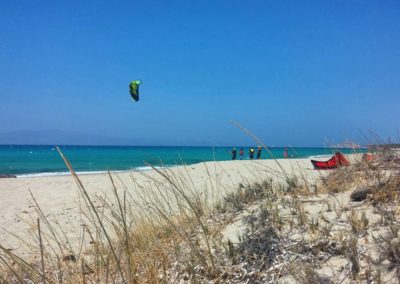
column 134, row 89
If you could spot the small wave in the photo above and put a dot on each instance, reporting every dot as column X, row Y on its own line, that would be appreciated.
column 148, row 168
column 50, row 174
column 43, row 174
column 142, row 168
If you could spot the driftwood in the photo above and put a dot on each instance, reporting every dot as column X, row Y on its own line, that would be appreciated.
column 360, row 194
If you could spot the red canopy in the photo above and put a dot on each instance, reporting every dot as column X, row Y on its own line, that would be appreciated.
column 337, row 160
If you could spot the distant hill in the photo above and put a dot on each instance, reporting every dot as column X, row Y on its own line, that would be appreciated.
column 347, row 144
column 58, row 137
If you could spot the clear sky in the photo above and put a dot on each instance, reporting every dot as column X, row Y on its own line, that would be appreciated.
column 293, row 72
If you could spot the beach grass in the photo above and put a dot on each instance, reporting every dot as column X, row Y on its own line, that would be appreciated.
column 290, row 227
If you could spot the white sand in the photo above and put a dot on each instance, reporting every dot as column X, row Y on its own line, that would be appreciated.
column 58, row 195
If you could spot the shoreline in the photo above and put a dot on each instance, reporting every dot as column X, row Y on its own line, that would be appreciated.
column 30, row 161
column 147, row 168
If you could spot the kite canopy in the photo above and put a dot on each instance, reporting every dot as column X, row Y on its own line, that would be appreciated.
column 134, row 89
column 338, row 160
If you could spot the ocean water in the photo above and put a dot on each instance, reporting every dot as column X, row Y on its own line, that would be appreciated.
column 45, row 160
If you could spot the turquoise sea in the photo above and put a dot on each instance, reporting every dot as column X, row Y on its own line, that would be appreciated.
column 45, row 160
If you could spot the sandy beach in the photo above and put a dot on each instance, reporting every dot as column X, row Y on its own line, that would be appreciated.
column 58, row 196
column 313, row 219
column 299, row 215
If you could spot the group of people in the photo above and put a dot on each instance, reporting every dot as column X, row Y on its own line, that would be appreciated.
column 252, row 151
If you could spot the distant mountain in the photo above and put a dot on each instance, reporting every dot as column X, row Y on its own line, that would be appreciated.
column 347, row 144
column 58, row 137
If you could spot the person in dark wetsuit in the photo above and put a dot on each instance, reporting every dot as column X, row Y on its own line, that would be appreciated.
column 258, row 152
column 234, row 154
column 251, row 153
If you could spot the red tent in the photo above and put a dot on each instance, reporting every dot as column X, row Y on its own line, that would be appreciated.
column 338, row 160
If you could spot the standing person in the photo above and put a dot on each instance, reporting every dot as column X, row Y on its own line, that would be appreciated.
column 285, row 153
column 258, row 152
column 251, row 153
column 234, row 153
column 241, row 153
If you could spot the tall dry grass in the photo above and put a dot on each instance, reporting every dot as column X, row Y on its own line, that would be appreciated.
column 159, row 234
column 169, row 231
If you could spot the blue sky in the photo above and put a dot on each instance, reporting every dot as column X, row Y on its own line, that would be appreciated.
column 293, row 72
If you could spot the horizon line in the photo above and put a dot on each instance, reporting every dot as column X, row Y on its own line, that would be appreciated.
column 211, row 146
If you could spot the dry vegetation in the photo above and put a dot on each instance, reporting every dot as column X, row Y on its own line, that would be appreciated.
column 291, row 232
